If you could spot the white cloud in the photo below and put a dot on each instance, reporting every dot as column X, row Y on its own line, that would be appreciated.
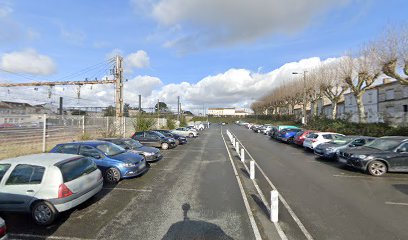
column 138, row 59
column 73, row 36
column 27, row 61
column 11, row 31
column 233, row 88
column 5, row 11
column 215, row 22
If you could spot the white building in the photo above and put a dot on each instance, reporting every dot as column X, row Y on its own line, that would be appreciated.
column 370, row 102
column 226, row 112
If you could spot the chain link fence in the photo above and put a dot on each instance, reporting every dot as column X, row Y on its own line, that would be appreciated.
column 49, row 130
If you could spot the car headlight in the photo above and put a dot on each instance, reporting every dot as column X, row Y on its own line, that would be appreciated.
column 362, row 156
column 129, row 164
column 149, row 153
column 332, row 149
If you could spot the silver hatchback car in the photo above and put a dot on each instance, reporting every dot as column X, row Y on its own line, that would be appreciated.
column 46, row 184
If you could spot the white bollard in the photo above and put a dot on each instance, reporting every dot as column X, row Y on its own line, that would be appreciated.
column 242, row 155
column 274, row 206
column 233, row 141
column 237, row 147
column 252, row 169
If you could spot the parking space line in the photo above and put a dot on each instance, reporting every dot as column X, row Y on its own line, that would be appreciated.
column 31, row 236
column 396, row 203
column 369, row 177
column 129, row 189
column 161, row 169
column 241, row 188
column 282, row 199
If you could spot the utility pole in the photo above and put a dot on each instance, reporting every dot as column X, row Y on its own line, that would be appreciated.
column 304, row 97
column 158, row 113
column 60, row 106
column 119, row 87
column 178, row 108
column 140, row 104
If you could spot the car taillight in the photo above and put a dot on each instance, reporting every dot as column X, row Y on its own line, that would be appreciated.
column 63, row 191
column 314, row 140
column 3, row 231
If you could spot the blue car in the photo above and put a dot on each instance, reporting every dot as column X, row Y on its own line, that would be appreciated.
column 114, row 161
column 288, row 134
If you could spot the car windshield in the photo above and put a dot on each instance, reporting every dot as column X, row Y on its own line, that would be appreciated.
column 133, row 143
column 110, row 149
column 384, row 144
column 341, row 140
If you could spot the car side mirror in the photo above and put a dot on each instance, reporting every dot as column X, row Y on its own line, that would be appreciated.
column 127, row 147
column 401, row 150
column 352, row 145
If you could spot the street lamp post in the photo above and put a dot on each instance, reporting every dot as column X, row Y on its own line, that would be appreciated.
column 304, row 96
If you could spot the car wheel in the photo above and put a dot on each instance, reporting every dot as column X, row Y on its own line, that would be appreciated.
column 112, row 175
column 377, row 168
column 43, row 213
column 191, row 135
column 165, row 146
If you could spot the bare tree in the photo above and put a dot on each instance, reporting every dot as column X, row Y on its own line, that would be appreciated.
column 313, row 90
column 393, row 53
column 333, row 87
column 360, row 73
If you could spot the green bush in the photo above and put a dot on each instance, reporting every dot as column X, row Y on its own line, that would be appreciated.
column 171, row 123
column 142, row 123
column 183, row 122
column 349, row 128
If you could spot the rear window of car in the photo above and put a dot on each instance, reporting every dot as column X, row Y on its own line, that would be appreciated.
column 327, row 136
column 74, row 169
column 3, row 170
column 26, row 174
column 312, row 135
column 68, row 149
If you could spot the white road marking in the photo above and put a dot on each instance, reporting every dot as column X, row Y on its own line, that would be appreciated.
column 162, row 169
column 19, row 236
column 128, row 189
column 396, row 203
column 246, row 203
column 284, row 202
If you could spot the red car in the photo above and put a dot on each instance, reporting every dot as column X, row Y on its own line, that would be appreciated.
column 300, row 136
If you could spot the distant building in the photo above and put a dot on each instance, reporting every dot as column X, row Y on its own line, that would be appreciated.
column 226, row 112
column 21, row 113
column 393, row 102
column 370, row 102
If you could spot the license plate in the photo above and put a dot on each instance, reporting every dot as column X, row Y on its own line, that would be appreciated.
column 142, row 166
column 342, row 160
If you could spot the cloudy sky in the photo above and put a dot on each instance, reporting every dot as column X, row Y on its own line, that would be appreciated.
column 211, row 53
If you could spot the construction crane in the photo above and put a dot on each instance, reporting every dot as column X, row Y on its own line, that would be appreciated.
column 118, row 81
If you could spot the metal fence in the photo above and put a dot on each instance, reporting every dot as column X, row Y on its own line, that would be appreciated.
column 49, row 130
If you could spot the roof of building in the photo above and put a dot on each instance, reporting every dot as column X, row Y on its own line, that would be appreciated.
column 220, row 108
column 41, row 159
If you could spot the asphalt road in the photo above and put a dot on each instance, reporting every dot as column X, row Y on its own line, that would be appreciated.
column 192, row 192
column 332, row 201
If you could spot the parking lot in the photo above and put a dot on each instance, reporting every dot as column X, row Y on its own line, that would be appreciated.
column 194, row 191
column 331, row 201
column 191, row 192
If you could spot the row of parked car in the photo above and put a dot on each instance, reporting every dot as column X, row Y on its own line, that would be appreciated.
column 49, row 183
column 375, row 156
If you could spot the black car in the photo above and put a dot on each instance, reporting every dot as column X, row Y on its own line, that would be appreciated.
column 179, row 139
column 386, row 154
column 151, row 154
column 331, row 149
column 154, row 139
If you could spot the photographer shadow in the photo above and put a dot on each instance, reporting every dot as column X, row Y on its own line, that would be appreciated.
column 194, row 229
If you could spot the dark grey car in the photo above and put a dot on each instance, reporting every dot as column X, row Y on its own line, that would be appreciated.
column 151, row 154
column 331, row 149
column 386, row 154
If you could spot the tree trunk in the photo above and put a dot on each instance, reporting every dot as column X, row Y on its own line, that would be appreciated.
column 334, row 110
column 315, row 106
column 360, row 108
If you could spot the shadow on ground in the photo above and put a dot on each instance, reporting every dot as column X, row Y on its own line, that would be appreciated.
column 194, row 229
